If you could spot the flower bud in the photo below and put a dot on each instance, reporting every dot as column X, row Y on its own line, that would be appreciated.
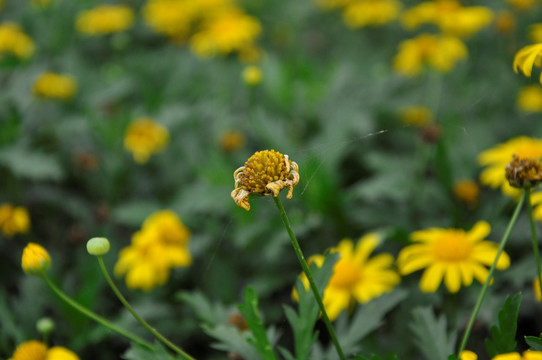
column 35, row 260
column 45, row 325
column 98, row 246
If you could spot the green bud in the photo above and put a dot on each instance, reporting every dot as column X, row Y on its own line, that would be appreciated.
column 98, row 246
column 45, row 325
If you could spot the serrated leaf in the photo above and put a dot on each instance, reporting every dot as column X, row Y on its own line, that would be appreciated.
column 534, row 342
column 503, row 334
column 231, row 340
column 430, row 334
column 30, row 164
column 209, row 313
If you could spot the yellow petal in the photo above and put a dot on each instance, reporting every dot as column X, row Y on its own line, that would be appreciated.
column 432, row 277
column 479, row 231
column 452, row 278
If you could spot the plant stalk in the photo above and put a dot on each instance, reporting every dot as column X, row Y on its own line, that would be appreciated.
column 534, row 238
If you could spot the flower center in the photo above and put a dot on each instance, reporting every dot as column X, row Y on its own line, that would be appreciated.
column 262, row 168
column 346, row 275
column 453, row 247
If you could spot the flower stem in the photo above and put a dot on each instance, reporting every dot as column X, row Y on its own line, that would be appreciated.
column 490, row 275
column 124, row 302
column 308, row 273
column 533, row 235
column 94, row 316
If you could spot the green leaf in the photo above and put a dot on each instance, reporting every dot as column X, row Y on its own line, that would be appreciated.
column 503, row 335
column 430, row 334
column 250, row 311
column 138, row 352
column 31, row 165
column 231, row 340
column 534, row 342
column 210, row 313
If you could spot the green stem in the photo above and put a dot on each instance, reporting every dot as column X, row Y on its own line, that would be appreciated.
column 124, row 302
column 490, row 275
column 533, row 235
column 94, row 316
column 308, row 273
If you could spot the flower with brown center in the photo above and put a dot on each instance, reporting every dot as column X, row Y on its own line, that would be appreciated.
column 522, row 173
column 266, row 172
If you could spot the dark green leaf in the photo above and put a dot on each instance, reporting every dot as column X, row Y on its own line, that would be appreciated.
column 430, row 334
column 534, row 342
column 503, row 334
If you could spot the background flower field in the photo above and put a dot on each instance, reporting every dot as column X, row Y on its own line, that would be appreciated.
column 129, row 122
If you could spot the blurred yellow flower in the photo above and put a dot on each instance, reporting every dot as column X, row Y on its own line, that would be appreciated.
column 35, row 259
column 171, row 17
column 416, row 115
column 36, row 350
column 530, row 98
column 497, row 158
column 232, row 140
column 13, row 219
column 105, row 19
column 523, row 4
column 160, row 245
column 252, row 75
column 356, row 277
column 360, row 13
column 145, row 137
column 527, row 58
column 467, row 191
column 455, row 255
column 536, row 201
column 527, row 355
column 505, row 22
column 224, row 32
column 13, row 41
column 55, row 86
column 439, row 52
column 468, row 355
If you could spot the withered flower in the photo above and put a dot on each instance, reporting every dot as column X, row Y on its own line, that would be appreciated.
column 522, row 173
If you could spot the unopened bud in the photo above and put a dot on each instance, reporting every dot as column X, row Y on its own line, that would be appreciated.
column 98, row 246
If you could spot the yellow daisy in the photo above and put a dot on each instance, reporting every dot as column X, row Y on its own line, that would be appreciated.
column 527, row 58
column 530, row 98
column 527, row 355
column 13, row 219
column 455, row 255
column 145, row 137
column 36, row 350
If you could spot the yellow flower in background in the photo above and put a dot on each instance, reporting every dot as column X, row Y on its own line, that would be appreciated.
column 356, row 277
column 439, row 52
column 453, row 255
column 523, row 4
column 55, row 86
column 360, row 13
column 530, row 98
column 232, row 140
column 416, row 115
column 536, row 201
column 497, row 158
column 171, row 17
column 225, row 32
column 467, row 355
column 252, row 75
column 36, row 350
column 13, row 41
column 145, row 137
column 35, row 259
column 13, row 219
column 160, row 245
column 505, row 22
column 467, row 191
column 105, row 19
column 527, row 355
column 527, row 58
column 536, row 288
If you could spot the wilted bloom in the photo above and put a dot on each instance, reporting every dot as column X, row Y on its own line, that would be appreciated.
column 232, row 140
column 160, row 245
column 453, row 255
column 522, row 173
column 416, row 115
column 467, row 191
column 55, row 86
column 360, row 13
column 530, row 98
column 527, row 58
column 35, row 259
column 145, row 137
column 527, row 355
column 439, row 52
column 252, row 75
column 36, row 350
column 266, row 172
column 13, row 41
column 13, row 219
column 356, row 277
column 105, row 19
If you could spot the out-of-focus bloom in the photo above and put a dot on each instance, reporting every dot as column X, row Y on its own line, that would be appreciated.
column 505, row 22
column 527, row 355
column 232, row 140
column 455, row 255
column 356, row 277
column 36, row 350
column 530, row 98
column 35, row 259
column 45, row 325
column 536, row 201
column 467, row 191
column 13, row 219
column 522, row 5
column 266, row 172
column 439, row 52
column 360, row 13
column 467, row 355
column 105, row 19
column 145, row 137
column 225, row 32
column 497, row 158
column 523, row 173
column 252, row 75
column 416, row 115
column 13, row 41
column 527, row 58
column 160, row 245
column 55, row 86
column 536, row 288
column 170, row 17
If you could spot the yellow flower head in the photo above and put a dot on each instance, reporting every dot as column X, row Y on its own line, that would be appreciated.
column 530, row 98
column 467, row 191
column 356, row 277
column 13, row 41
column 145, row 137
column 36, row 350
column 170, row 17
column 252, row 75
column 527, row 355
column 497, row 158
column 439, row 52
column 416, row 115
column 105, row 19
column 13, row 219
column 55, row 86
column 468, row 355
column 266, row 172
column 360, row 13
column 527, row 58
column 60, row 353
column 455, row 255
column 232, row 140
column 35, row 259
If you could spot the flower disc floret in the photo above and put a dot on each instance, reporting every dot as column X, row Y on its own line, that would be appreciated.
column 524, row 173
column 266, row 172
column 35, row 259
